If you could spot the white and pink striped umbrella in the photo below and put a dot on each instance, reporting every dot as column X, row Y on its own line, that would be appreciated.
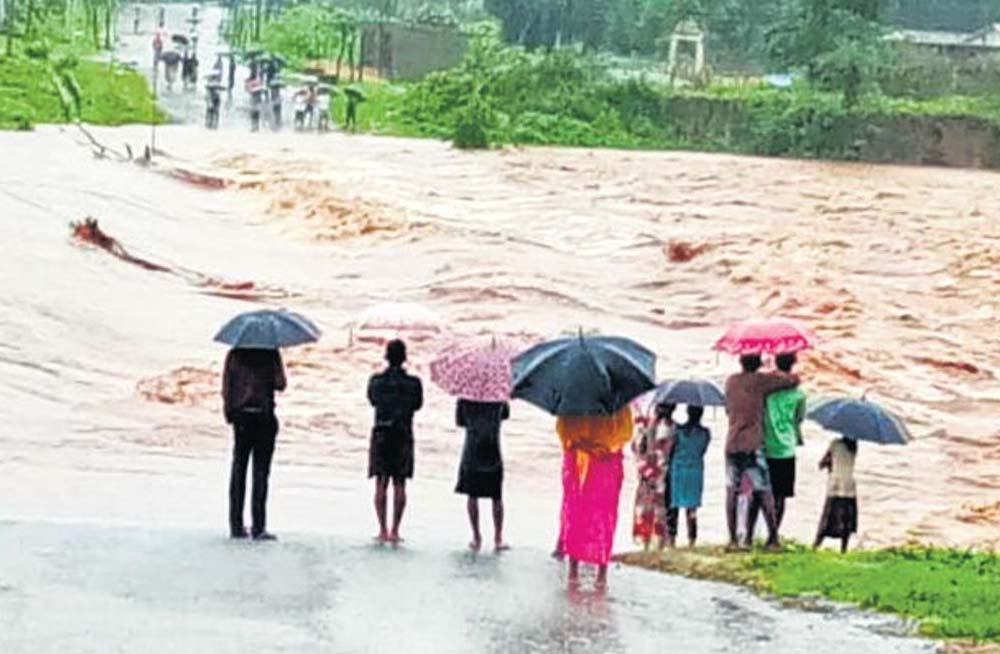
column 476, row 369
column 389, row 320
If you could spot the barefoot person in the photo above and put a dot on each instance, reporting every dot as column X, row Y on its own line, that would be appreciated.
column 746, row 393
column 249, row 381
column 840, row 513
column 687, row 469
column 396, row 396
column 652, row 503
column 592, row 482
column 480, row 473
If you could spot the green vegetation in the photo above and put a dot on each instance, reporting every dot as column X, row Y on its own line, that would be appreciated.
column 45, row 76
column 953, row 594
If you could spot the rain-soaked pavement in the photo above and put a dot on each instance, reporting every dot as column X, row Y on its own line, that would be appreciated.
column 85, row 589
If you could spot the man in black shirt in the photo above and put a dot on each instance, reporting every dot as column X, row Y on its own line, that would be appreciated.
column 396, row 396
column 248, row 384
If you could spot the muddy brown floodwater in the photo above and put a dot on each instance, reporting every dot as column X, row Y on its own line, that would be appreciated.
column 895, row 269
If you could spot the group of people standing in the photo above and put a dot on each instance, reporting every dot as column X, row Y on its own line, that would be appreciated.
column 765, row 410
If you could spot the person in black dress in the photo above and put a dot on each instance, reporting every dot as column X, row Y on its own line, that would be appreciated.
column 249, row 382
column 396, row 396
column 480, row 473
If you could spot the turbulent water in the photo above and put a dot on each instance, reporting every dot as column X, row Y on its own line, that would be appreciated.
column 108, row 368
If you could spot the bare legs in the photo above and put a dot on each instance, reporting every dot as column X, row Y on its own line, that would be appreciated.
column 692, row 526
column 381, row 508
column 765, row 500
column 477, row 538
column 381, row 488
column 398, row 506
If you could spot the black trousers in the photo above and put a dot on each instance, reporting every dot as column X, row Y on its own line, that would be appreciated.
column 253, row 437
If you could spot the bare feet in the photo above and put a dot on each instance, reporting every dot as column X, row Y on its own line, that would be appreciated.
column 773, row 547
column 500, row 546
column 733, row 547
column 558, row 554
column 396, row 539
column 382, row 538
column 476, row 544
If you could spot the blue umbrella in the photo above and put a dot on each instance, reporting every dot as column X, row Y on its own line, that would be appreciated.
column 700, row 392
column 584, row 376
column 268, row 330
column 859, row 420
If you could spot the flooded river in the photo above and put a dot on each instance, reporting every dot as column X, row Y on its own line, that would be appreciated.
column 110, row 377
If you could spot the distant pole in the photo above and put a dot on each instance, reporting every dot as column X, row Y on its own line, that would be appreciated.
column 156, row 77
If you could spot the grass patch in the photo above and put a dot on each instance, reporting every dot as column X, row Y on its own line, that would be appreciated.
column 953, row 594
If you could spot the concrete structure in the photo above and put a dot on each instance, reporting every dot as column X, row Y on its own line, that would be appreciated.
column 982, row 42
column 687, row 34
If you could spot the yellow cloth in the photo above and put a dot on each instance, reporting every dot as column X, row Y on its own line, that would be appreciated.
column 594, row 436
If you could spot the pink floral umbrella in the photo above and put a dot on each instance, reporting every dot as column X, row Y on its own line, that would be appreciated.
column 772, row 336
column 476, row 369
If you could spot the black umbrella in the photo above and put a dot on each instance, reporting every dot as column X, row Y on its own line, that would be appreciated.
column 180, row 39
column 170, row 57
column 584, row 376
column 700, row 392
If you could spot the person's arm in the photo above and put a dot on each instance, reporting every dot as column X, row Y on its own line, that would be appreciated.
column 708, row 439
column 280, row 383
column 460, row 413
column 227, row 387
column 826, row 463
column 800, row 416
column 372, row 394
column 769, row 382
column 418, row 396
column 505, row 411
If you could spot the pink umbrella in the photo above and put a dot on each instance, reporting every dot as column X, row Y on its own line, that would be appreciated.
column 392, row 319
column 477, row 370
column 772, row 336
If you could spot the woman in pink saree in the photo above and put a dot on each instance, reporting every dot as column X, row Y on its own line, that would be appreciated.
column 593, row 472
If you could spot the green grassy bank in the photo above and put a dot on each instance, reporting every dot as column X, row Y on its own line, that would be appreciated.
column 36, row 90
column 953, row 594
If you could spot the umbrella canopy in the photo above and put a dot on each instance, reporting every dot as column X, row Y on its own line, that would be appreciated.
column 180, row 39
column 700, row 392
column 355, row 91
column 400, row 317
column 477, row 370
column 214, row 85
column 170, row 57
column 268, row 330
column 859, row 420
column 584, row 376
column 773, row 336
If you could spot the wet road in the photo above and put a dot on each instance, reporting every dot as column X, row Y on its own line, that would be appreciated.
column 87, row 589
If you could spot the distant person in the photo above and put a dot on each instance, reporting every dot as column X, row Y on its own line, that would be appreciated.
column 136, row 18
column 687, row 469
column 249, row 382
column 480, row 474
column 323, row 112
column 396, row 396
column 783, row 416
column 276, row 103
column 592, row 474
column 840, row 513
column 300, row 110
column 256, row 102
column 231, row 83
column 351, row 118
column 213, row 102
column 157, row 47
column 746, row 393
column 652, row 450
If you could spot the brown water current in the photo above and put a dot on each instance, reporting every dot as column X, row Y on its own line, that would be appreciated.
column 895, row 269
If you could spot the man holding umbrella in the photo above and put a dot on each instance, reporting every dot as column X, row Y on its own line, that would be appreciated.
column 253, row 372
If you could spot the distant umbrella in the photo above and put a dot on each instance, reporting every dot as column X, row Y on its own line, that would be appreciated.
column 400, row 317
column 170, row 57
column 584, row 376
column 180, row 39
column 771, row 336
column 268, row 330
column 859, row 420
column 355, row 92
column 700, row 392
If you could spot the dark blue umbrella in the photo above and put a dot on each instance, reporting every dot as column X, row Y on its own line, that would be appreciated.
column 700, row 392
column 859, row 420
column 268, row 330
column 584, row 376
